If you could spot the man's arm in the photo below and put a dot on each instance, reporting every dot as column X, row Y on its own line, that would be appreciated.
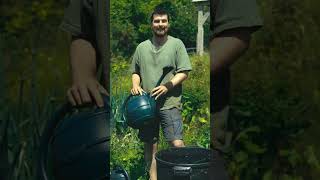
column 176, row 80
column 227, row 47
column 84, row 82
column 136, row 88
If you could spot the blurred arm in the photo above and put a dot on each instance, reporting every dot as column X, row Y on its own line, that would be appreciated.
column 84, row 82
column 227, row 47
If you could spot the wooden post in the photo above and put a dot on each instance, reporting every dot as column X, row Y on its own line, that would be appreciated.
column 201, row 20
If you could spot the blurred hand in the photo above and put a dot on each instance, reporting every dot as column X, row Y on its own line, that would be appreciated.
column 159, row 91
column 137, row 90
column 85, row 91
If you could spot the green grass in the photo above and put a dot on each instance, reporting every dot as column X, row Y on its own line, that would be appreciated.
column 33, row 86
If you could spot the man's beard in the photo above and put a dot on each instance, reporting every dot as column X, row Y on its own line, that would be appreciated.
column 163, row 32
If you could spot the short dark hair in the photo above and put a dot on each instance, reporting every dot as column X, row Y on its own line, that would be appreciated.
column 159, row 11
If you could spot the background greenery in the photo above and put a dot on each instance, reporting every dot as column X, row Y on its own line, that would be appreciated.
column 130, row 22
column 275, row 87
column 275, row 105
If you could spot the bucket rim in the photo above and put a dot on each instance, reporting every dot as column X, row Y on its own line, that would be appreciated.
column 206, row 164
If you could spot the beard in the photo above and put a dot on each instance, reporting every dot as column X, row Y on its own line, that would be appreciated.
column 160, row 32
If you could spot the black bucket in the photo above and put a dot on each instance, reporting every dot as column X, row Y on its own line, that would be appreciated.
column 190, row 163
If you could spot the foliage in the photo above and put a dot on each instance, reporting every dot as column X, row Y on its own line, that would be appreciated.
column 272, row 110
column 127, row 151
column 34, row 67
column 196, row 97
column 130, row 22
column 268, row 136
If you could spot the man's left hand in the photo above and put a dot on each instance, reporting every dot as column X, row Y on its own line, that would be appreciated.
column 159, row 91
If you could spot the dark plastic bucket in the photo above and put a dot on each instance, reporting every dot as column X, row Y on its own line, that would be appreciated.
column 190, row 163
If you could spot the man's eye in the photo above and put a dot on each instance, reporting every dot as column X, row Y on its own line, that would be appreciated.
column 156, row 21
column 164, row 21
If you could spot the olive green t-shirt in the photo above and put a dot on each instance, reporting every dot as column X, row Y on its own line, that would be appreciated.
column 89, row 19
column 149, row 62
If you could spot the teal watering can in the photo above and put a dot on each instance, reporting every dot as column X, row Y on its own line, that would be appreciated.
column 118, row 173
column 78, row 139
column 140, row 110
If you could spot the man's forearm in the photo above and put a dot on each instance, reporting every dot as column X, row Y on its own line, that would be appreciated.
column 82, row 58
column 136, row 80
column 227, row 47
column 164, row 88
column 85, row 87
column 177, row 79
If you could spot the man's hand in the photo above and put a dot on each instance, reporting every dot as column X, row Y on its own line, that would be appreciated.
column 86, row 90
column 85, row 87
column 163, row 89
column 137, row 90
column 159, row 91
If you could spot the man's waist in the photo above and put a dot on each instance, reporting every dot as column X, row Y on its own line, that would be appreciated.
column 169, row 102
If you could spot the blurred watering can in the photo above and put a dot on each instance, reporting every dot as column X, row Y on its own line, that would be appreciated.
column 119, row 174
column 78, row 139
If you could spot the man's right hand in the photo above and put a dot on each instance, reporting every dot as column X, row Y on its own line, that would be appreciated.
column 137, row 90
column 86, row 91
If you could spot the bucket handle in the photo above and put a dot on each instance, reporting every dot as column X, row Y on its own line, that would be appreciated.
column 179, row 171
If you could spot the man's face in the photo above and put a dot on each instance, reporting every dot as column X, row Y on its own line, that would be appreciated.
column 160, row 25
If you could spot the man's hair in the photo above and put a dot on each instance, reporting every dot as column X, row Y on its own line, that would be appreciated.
column 159, row 11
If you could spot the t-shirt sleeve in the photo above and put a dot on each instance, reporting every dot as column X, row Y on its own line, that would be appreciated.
column 231, row 14
column 78, row 20
column 134, row 68
column 182, row 61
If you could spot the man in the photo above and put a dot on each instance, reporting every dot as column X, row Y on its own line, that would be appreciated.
column 87, row 20
column 149, row 59
column 232, row 23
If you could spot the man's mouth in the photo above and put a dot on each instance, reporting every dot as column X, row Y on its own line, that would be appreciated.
column 161, row 29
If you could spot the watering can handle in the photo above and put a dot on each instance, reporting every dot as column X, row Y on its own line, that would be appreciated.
column 166, row 70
